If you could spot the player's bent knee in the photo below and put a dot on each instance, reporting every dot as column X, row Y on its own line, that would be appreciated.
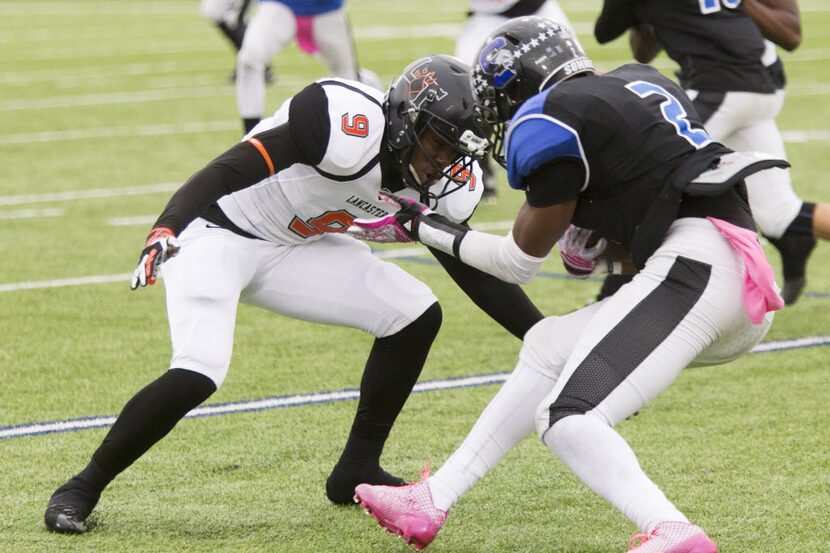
column 216, row 372
column 540, row 350
column 251, row 58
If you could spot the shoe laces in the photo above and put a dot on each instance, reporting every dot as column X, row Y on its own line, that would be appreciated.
column 65, row 509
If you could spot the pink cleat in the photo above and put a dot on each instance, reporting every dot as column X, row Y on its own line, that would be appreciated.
column 407, row 511
column 672, row 537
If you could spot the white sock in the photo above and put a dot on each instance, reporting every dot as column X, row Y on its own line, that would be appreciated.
column 598, row 455
column 250, row 91
column 508, row 418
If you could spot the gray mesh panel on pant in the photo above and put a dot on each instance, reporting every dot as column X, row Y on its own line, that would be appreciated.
column 633, row 339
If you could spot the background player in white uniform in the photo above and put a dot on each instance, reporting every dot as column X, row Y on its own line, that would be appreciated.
column 319, row 26
column 484, row 17
column 261, row 225
column 737, row 83
column 230, row 18
column 620, row 155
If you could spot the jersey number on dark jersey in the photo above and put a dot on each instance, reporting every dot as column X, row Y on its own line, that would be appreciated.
column 712, row 6
column 673, row 112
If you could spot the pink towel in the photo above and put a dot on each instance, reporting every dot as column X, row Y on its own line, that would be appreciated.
column 305, row 34
column 759, row 293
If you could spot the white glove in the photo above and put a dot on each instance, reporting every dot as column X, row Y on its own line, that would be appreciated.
column 579, row 260
column 161, row 246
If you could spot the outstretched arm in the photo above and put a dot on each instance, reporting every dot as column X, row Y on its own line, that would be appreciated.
column 779, row 20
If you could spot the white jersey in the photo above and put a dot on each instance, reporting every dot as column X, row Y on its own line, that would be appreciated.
column 303, row 202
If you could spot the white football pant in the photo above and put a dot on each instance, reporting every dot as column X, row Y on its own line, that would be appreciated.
column 269, row 31
column 335, row 280
column 221, row 11
column 745, row 121
column 570, row 353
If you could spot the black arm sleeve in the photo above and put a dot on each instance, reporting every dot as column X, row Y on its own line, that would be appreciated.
column 303, row 139
column 507, row 304
column 616, row 17
column 555, row 183
column 238, row 168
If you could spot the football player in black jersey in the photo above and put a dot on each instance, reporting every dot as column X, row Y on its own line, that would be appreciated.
column 736, row 81
column 618, row 158
column 263, row 224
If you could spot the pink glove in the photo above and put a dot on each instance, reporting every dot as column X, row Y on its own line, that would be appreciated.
column 579, row 260
column 401, row 226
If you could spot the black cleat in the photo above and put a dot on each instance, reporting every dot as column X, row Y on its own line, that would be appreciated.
column 343, row 480
column 66, row 519
column 70, row 506
column 795, row 250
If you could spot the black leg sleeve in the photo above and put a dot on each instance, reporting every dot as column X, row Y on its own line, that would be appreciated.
column 507, row 304
column 234, row 35
column 148, row 417
column 391, row 371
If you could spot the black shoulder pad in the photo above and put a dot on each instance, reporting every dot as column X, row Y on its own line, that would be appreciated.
column 308, row 121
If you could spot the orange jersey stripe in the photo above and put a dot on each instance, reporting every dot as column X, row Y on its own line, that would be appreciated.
column 258, row 145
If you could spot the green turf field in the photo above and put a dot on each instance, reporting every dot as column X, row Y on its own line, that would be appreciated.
column 107, row 106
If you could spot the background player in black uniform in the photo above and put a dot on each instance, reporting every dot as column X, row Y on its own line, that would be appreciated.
column 262, row 224
column 623, row 155
column 736, row 81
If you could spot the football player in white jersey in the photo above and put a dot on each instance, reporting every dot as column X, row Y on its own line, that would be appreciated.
column 319, row 26
column 484, row 17
column 261, row 224
column 229, row 17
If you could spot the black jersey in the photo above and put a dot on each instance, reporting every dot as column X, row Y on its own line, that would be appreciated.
column 717, row 46
column 633, row 132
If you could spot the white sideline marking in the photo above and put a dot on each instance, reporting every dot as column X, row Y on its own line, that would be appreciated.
column 298, row 400
column 806, row 136
column 233, row 125
column 125, row 277
column 111, row 132
column 130, row 221
column 31, row 213
column 61, row 282
column 73, row 195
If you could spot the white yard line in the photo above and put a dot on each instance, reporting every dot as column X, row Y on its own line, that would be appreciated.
column 73, row 195
column 31, row 213
column 233, row 125
column 112, row 132
column 396, row 253
column 817, row 135
column 132, row 221
column 299, row 400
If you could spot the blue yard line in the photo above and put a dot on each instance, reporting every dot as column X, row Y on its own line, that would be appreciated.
column 299, row 400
